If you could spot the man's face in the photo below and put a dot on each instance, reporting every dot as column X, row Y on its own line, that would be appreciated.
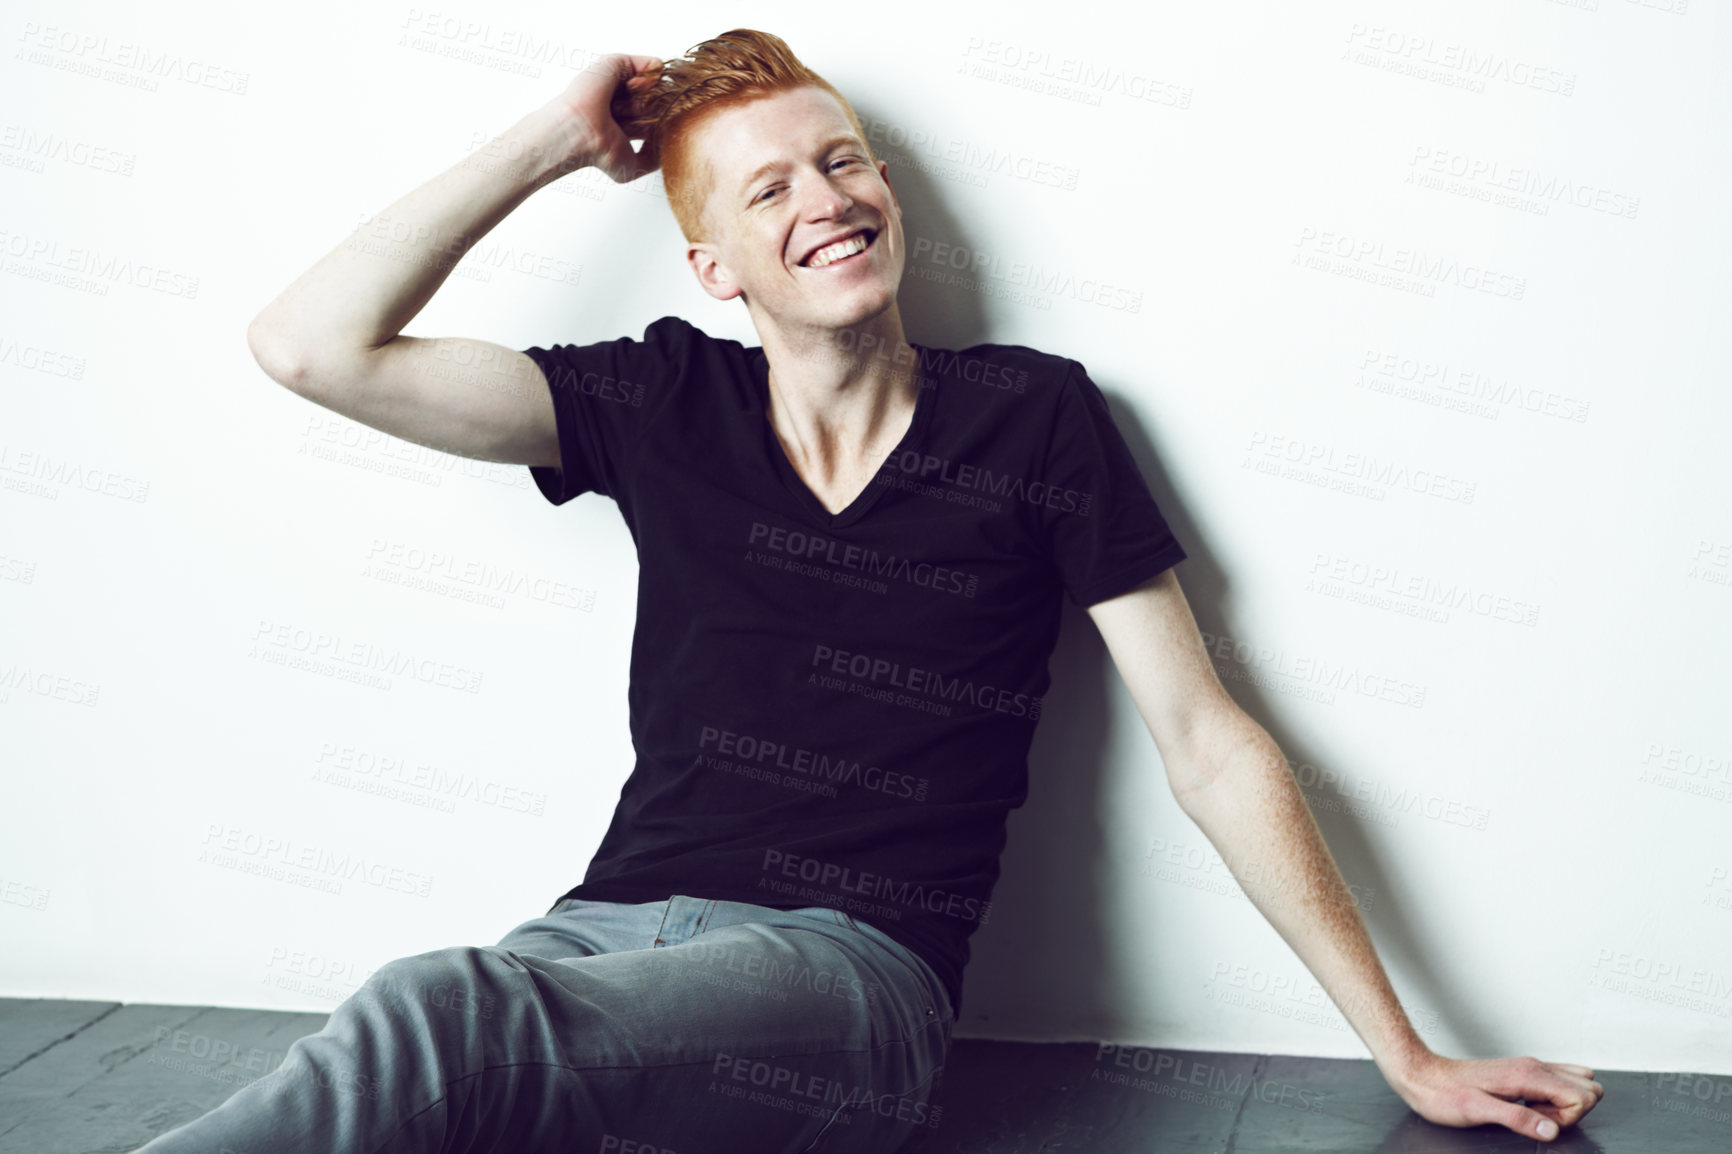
column 790, row 175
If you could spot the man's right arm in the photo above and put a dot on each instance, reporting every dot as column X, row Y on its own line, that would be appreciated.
column 334, row 336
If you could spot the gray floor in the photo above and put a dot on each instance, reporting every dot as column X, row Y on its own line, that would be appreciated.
column 90, row 1077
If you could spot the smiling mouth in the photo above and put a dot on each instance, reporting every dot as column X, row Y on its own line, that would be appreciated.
column 843, row 251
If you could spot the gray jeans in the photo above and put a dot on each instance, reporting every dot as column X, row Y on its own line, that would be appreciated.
column 682, row 1026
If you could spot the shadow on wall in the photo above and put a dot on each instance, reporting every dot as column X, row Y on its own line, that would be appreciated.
column 1043, row 967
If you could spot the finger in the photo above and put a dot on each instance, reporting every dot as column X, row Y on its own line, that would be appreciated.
column 1558, row 1116
column 1521, row 1119
column 1584, row 1071
column 635, row 74
column 1565, row 1115
column 1551, row 1084
column 614, row 64
column 1575, row 1083
column 627, row 73
column 1562, row 1115
column 1567, row 1101
column 627, row 104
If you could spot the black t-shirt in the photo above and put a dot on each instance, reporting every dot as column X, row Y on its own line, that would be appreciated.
column 836, row 709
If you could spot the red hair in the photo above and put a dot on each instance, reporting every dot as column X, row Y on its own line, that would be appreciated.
column 732, row 69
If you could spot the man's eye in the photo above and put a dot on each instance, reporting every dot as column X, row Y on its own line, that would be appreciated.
column 833, row 164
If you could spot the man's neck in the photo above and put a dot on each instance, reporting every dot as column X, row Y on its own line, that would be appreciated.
column 840, row 399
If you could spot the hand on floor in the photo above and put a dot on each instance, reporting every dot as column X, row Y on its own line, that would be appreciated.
column 1469, row 1092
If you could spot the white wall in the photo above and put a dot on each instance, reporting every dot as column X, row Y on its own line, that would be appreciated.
column 1251, row 177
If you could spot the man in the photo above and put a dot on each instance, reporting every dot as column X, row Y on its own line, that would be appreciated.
column 850, row 548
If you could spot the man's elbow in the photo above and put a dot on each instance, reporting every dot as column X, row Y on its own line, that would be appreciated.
column 1209, row 749
column 1190, row 778
column 274, row 355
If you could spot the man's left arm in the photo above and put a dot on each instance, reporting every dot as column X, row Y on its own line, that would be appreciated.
column 1230, row 777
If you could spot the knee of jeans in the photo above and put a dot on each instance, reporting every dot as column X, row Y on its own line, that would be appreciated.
column 461, row 985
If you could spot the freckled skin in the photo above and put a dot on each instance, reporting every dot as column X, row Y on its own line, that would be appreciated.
column 1232, row 779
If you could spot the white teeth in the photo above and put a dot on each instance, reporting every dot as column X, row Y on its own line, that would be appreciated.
column 835, row 252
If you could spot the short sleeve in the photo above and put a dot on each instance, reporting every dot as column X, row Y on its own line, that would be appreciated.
column 1099, row 521
column 604, row 395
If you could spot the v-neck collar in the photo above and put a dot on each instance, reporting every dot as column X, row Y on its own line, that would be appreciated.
column 911, row 440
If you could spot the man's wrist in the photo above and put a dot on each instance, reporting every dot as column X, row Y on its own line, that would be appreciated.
column 1404, row 1063
column 1396, row 1047
column 545, row 145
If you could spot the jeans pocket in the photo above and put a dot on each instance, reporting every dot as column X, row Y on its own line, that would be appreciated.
column 925, row 982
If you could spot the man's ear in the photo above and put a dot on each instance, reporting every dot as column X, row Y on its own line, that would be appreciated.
column 884, row 172
column 713, row 276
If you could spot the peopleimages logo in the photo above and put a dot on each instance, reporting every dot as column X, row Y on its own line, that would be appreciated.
column 816, row 546
column 850, row 345
column 788, row 1088
column 846, row 879
column 962, row 475
column 925, row 681
column 744, row 749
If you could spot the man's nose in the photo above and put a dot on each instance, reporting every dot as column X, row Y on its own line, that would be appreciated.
column 826, row 200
